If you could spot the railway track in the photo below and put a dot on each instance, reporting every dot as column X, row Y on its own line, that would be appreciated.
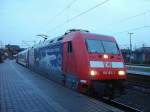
column 136, row 82
column 124, row 107
column 120, row 105
column 139, row 82
column 141, row 79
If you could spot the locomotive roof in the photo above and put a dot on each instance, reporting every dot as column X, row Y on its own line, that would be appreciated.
column 84, row 34
column 66, row 35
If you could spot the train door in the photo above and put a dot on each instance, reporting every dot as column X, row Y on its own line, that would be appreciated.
column 68, row 61
column 70, row 65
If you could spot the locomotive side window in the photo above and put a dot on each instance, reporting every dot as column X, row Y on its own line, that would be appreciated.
column 69, row 47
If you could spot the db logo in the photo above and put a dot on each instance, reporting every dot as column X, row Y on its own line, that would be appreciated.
column 107, row 64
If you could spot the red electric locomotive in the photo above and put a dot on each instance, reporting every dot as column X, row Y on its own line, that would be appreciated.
column 96, row 60
column 81, row 60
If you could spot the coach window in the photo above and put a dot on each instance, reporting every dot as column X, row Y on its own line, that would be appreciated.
column 69, row 47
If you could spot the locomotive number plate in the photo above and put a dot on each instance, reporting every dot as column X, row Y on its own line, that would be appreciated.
column 108, row 73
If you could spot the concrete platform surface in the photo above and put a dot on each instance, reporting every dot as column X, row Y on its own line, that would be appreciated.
column 22, row 90
column 138, row 72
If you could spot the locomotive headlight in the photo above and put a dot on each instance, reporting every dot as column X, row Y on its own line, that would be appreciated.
column 93, row 72
column 105, row 56
column 121, row 72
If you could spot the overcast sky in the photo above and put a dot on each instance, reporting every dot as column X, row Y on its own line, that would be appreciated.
column 21, row 20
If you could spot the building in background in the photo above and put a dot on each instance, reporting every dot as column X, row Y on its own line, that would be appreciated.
column 126, row 55
column 139, row 56
column 11, row 50
column 142, row 55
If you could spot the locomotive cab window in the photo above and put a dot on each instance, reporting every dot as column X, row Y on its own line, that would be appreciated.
column 94, row 46
column 102, row 46
column 69, row 47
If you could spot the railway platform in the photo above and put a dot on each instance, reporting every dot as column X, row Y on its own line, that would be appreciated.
column 22, row 90
column 138, row 70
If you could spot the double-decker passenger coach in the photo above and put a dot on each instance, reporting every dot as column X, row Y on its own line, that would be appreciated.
column 81, row 60
column 22, row 58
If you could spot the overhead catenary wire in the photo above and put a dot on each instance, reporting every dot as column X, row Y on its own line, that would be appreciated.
column 63, row 10
column 130, row 17
column 70, row 4
column 133, row 29
column 78, row 15
column 88, row 10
